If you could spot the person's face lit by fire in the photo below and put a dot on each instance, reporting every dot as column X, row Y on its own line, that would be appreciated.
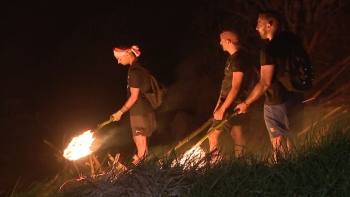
column 224, row 43
column 228, row 41
column 123, row 60
column 263, row 27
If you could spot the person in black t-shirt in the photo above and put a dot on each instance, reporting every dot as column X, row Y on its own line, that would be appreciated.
column 279, row 103
column 238, row 77
column 142, row 118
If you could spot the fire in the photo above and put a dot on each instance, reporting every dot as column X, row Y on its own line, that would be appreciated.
column 192, row 157
column 80, row 146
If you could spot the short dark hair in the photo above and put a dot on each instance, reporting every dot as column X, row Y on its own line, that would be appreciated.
column 274, row 18
column 237, row 42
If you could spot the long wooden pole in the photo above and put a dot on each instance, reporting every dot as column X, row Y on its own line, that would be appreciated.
column 324, row 117
column 193, row 134
column 204, row 126
column 215, row 128
column 104, row 123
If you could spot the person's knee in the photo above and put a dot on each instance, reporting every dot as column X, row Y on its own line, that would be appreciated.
column 236, row 132
column 277, row 141
column 140, row 139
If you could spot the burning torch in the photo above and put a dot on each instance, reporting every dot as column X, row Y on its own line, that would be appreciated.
column 80, row 146
column 195, row 155
column 205, row 125
column 222, row 122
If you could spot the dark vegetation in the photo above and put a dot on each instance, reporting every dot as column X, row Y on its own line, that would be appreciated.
column 59, row 77
column 319, row 167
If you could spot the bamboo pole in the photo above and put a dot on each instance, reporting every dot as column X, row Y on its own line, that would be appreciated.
column 205, row 125
column 326, row 116
column 195, row 133
column 215, row 128
column 103, row 124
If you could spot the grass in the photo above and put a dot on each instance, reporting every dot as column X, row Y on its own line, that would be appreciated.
column 320, row 166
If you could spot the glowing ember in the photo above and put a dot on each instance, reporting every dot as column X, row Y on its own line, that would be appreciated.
column 191, row 157
column 80, row 146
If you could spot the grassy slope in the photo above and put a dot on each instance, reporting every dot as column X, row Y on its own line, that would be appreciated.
column 319, row 167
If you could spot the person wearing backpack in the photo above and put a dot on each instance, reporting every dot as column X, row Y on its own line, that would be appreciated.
column 280, row 103
column 239, row 74
column 142, row 118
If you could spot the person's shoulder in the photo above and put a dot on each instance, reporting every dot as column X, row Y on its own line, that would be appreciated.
column 286, row 37
column 137, row 67
column 138, row 70
column 243, row 55
column 281, row 43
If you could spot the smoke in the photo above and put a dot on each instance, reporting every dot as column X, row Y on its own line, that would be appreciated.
column 113, row 135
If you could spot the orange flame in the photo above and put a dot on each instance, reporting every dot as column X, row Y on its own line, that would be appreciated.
column 80, row 146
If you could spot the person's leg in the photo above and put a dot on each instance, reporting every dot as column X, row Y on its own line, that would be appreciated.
column 277, row 147
column 277, row 125
column 214, row 140
column 238, row 137
column 141, row 145
column 142, row 127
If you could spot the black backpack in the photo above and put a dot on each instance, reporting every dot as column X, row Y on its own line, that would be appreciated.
column 156, row 95
column 298, row 74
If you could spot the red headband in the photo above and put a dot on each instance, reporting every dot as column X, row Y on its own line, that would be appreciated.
column 121, row 52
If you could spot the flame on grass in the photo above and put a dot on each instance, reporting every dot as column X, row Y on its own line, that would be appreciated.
column 192, row 157
column 80, row 146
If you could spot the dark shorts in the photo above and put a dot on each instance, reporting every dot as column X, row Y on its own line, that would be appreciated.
column 276, row 119
column 240, row 119
column 143, row 125
column 279, row 117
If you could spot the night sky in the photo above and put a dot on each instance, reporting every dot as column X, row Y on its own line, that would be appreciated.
column 59, row 77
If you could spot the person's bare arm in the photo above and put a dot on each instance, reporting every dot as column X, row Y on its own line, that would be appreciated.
column 133, row 97
column 131, row 100
column 237, row 78
column 266, row 75
column 217, row 104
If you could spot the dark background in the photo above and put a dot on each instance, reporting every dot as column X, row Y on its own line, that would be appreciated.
column 59, row 77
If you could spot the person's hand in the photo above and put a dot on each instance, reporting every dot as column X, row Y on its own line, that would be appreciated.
column 116, row 116
column 242, row 107
column 219, row 114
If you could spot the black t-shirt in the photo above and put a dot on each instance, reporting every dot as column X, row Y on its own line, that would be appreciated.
column 275, row 54
column 138, row 77
column 240, row 61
